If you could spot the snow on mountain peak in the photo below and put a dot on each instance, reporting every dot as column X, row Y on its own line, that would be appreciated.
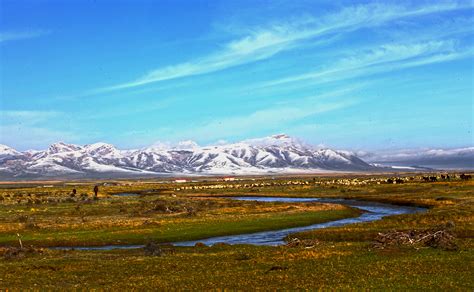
column 270, row 154
column 157, row 147
column 186, row 145
column 280, row 136
column 4, row 150
column 99, row 145
column 275, row 140
column 61, row 147
column 100, row 148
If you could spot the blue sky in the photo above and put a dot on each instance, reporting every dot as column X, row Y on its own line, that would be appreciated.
column 346, row 74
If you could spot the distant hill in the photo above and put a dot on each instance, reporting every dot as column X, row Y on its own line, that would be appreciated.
column 275, row 154
column 460, row 158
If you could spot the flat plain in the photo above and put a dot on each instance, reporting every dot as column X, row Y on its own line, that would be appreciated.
column 393, row 252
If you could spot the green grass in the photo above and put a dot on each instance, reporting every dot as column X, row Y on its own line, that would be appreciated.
column 136, row 220
column 343, row 258
column 184, row 230
column 328, row 266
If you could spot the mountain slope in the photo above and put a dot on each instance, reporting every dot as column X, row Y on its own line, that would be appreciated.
column 279, row 153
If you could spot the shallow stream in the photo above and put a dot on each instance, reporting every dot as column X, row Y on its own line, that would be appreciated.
column 372, row 211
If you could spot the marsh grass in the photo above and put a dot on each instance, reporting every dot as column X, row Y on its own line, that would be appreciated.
column 133, row 220
column 331, row 259
column 329, row 266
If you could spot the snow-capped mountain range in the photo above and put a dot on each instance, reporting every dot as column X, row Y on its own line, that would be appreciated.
column 275, row 154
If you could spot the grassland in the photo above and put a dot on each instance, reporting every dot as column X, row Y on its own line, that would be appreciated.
column 339, row 258
column 160, row 218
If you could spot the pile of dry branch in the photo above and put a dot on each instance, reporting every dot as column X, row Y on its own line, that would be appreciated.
column 441, row 238
column 307, row 243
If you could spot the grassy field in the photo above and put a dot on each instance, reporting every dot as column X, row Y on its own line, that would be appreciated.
column 333, row 258
column 160, row 218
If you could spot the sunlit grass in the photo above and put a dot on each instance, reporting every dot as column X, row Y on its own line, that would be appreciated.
column 340, row 258
column 155, row 217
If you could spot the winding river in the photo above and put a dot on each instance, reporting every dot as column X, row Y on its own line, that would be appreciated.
column 372, row 211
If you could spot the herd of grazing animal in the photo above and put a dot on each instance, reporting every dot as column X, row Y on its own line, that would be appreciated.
column 432, row 178
column 342, row 181
column 465, row 176
column 445, row 177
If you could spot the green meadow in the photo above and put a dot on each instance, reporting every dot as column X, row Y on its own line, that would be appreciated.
column 333, row 258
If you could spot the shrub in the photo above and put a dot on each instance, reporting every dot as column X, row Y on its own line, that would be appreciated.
column 153, row 249
column 11, row 253
column 31, row 225
column 22, row 218
column 242, row 257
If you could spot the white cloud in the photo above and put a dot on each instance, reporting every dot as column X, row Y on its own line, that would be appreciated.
column 26, row 116
column 382, row 59
column 264, row 43
column 20, row 136
column 270, row 119
column 21, row 35
column 20, row 128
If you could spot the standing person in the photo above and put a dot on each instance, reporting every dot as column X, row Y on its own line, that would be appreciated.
column 96, row 190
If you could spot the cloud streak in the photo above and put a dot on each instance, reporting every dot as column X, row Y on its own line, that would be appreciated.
column 26, row 116
column 263, row 43
column 21, row 35
column 270, row 119
column 383, row 59
column 18, row 126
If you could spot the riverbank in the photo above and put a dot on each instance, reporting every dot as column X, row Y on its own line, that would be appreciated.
column 138, row 220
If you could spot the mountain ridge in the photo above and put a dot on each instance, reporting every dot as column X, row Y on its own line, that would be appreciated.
column 277, row 154
column 274, row 154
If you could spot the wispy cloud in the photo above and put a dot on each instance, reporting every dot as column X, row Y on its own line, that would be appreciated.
column 263, row 43
column 18, row 126
column 271, row 118
column 382, row 59
column 21, row 35
column 268, row 119
column 26, row 116
column 265, row 119
column 36, row 137
column 259, row 46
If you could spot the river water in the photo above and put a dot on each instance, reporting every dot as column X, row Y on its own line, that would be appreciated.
column 372, row 211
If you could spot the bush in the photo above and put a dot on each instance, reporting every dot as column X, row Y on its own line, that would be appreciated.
column 242, row 257
column 22, row 218
column 31, row 225
column 11, row 253
column 69, row 200
column 153, row 249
